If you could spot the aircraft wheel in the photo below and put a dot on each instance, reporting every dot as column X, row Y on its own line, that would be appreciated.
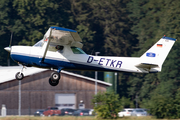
column 53, row 82
column 55, row 76
column 19, row 76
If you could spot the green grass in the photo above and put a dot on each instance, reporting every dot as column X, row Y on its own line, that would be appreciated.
column 72, row 118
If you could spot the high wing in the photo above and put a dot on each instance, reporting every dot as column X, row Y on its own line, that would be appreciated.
column 63, row 36
column 60, row 36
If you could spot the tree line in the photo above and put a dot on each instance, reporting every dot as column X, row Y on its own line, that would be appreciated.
column 111, row 27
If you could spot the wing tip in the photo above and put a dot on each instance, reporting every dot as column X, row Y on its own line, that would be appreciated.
column 169, row 38
column 63, row 29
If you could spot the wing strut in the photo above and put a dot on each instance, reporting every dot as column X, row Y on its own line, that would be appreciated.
column 46, row 45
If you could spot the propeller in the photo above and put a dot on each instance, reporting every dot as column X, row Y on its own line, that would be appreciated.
column 9, row 49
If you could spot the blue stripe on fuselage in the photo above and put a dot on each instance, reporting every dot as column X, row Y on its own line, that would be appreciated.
column 50, row 63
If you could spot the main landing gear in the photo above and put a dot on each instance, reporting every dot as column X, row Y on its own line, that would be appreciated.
column 53, row 80
column 55, row 77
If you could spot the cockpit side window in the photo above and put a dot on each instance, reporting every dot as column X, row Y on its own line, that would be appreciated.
column 39, row 44
column 77, row 50
column 59, row 48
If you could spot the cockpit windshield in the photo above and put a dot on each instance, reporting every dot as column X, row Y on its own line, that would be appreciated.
column 77, row 50
column 39, row 44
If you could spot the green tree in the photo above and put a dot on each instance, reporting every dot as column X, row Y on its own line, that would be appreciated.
column 111, row 15
column 107, row 105
column 8, row 24
column 163, row 106
column 151, row 20
column 127, row 103
column 32, row 14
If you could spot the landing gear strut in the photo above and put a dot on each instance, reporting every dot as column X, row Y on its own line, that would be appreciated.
column 54, row 78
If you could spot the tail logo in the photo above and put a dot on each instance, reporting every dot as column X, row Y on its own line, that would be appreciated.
column 150, row 54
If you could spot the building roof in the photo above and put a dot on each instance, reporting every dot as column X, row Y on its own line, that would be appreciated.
column 8, row 73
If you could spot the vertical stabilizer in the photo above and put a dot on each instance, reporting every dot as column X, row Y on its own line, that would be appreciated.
column 157, row 54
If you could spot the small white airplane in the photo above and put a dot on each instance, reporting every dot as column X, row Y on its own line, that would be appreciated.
column 61, row 49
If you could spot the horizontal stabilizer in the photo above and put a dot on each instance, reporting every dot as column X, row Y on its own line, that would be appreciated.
column 147, row 65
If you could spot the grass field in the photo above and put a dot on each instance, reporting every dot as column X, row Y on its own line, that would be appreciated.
column 71, row 118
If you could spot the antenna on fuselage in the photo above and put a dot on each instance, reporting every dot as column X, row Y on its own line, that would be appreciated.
column 92, row 51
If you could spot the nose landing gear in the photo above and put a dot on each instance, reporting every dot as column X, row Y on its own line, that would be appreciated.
column 20, row 75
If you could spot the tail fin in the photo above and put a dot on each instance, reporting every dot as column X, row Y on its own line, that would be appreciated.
column 153, row 59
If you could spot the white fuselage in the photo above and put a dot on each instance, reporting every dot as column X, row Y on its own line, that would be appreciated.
column 66, row 59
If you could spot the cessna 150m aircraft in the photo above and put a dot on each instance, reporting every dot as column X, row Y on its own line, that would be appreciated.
column 61, row 49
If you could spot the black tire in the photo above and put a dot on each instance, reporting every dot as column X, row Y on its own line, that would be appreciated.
column 53, row 82
column 19, row 76
column 55, row 76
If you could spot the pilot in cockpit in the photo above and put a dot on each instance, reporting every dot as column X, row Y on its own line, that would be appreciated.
column 60, row 48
